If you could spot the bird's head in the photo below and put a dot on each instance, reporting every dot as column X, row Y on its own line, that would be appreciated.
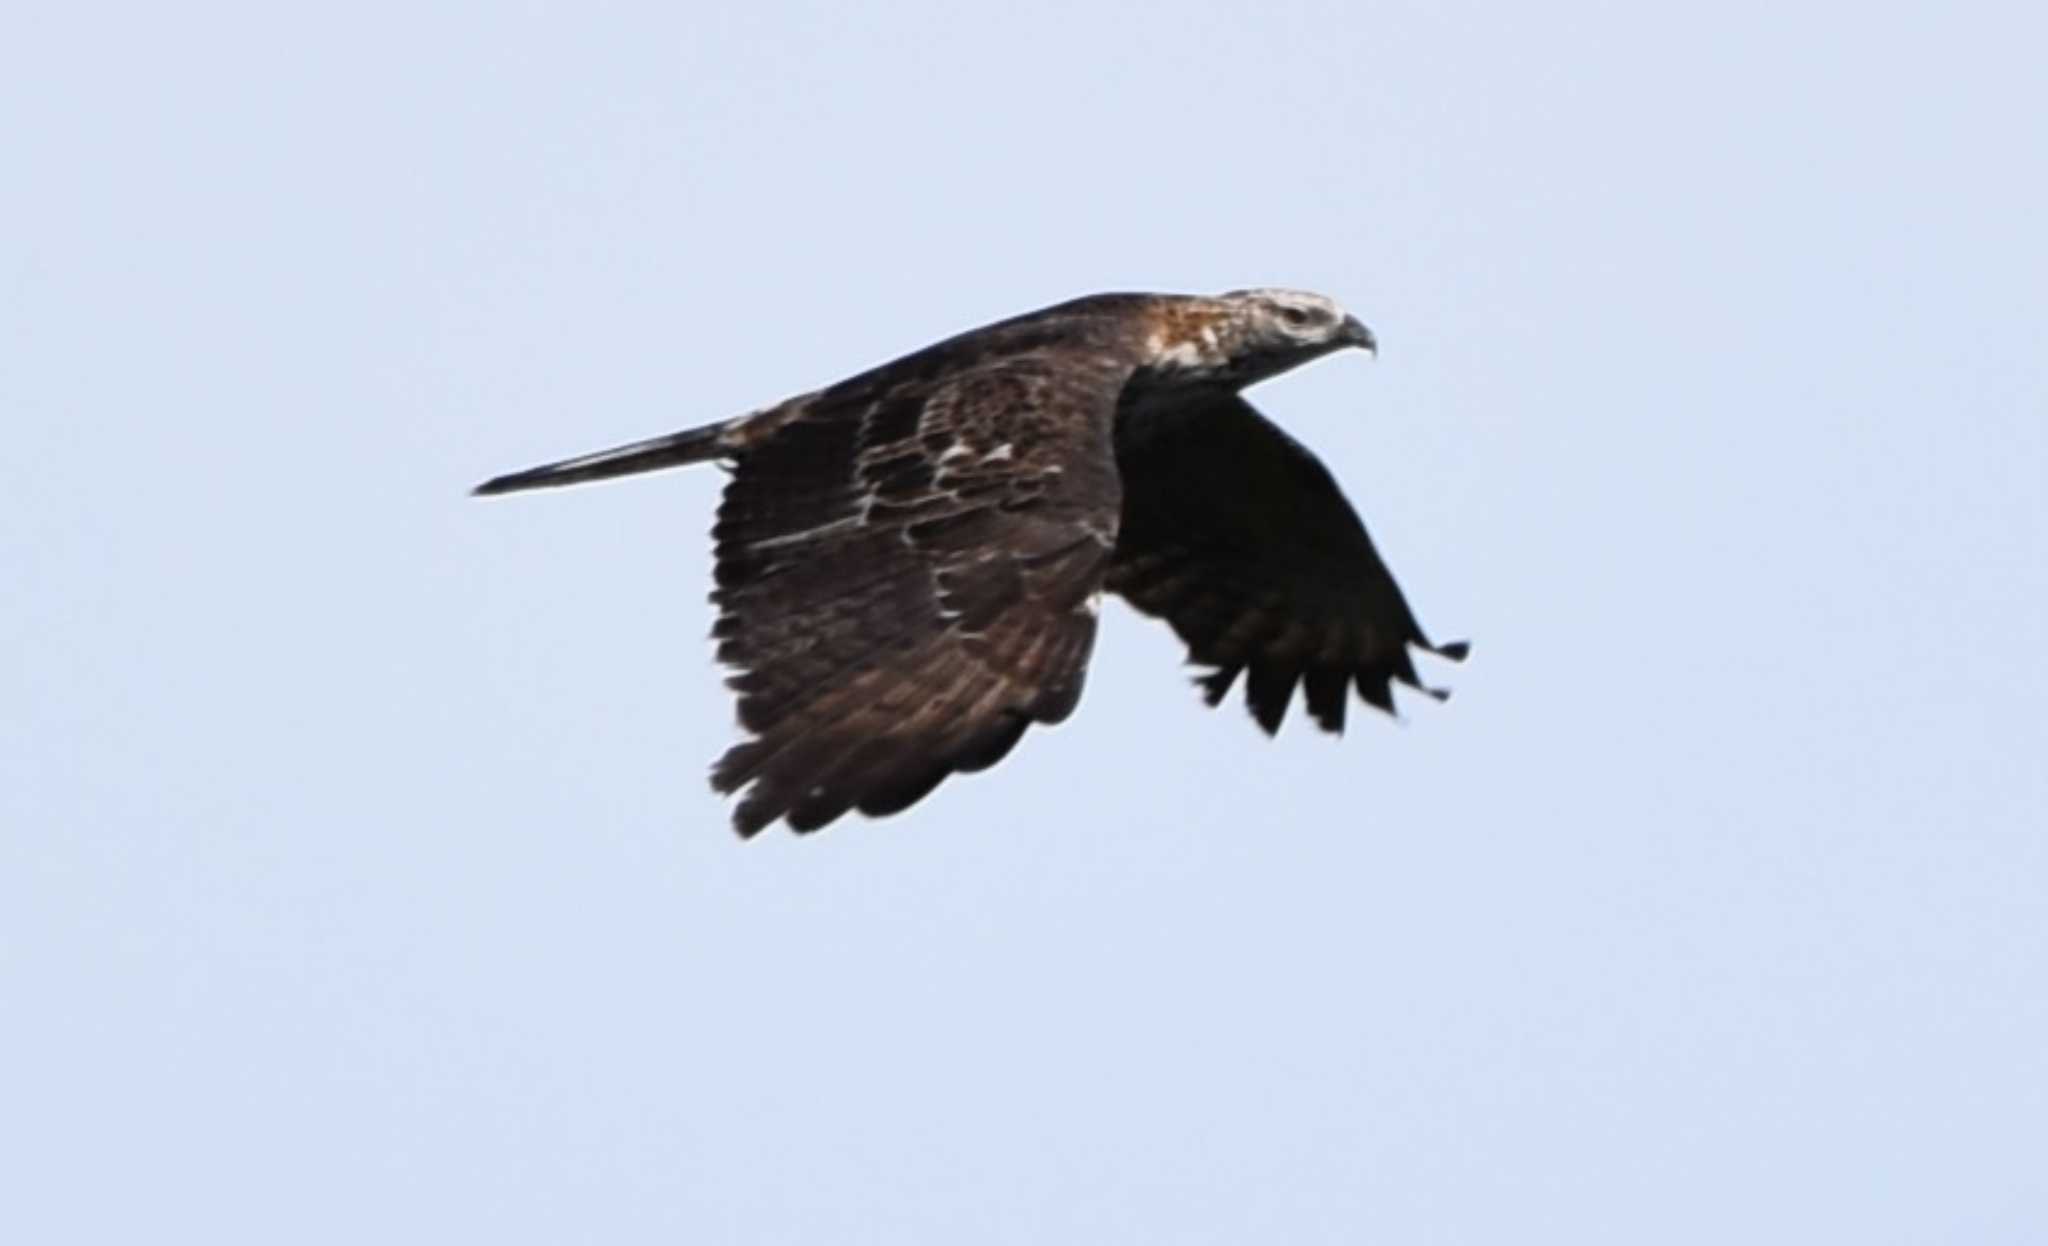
column 1246, row 336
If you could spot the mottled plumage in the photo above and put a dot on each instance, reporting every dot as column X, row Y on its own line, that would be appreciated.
column 909, row 562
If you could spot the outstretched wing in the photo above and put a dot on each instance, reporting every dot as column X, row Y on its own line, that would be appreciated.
column 907, row 568
column 1237, row 536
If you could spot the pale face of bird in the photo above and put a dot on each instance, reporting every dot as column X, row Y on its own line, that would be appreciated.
column 1295, row 323
column 1246, row 336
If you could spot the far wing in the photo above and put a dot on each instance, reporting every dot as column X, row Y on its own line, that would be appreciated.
column 1237, row 536
column 906, row 573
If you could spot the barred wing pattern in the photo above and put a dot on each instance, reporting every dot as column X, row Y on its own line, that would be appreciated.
column 907, row 570
column 1237, row 536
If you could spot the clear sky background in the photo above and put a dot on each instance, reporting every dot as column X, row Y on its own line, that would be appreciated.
column 359, row 879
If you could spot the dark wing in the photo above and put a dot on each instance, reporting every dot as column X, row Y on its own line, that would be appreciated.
column 907, row 572
column 1237, row 536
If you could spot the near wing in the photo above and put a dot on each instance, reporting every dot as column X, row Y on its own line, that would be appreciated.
column 1237, row 536
column 905, row 574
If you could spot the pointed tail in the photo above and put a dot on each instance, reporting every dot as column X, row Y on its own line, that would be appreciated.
column 692, row 445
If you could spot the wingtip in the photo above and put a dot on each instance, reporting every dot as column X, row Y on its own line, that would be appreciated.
column 1215, row 685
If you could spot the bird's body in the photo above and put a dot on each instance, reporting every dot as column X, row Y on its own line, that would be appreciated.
column 909, row 562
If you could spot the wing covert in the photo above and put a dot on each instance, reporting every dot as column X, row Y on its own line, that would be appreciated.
column 904, row 571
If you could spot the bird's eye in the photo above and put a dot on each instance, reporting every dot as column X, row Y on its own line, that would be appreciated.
column 1295, row 316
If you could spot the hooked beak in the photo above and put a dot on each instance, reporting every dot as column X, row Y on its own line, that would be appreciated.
column 1354, row 333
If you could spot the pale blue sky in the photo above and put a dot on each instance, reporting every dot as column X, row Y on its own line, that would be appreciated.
column 359, row 880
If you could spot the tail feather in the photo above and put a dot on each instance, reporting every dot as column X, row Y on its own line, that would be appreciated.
column 692, row 445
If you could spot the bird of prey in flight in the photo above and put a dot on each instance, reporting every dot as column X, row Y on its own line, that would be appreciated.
column 910, row 561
